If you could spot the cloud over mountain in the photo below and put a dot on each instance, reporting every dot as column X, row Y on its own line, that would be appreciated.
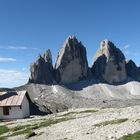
column 12, row 77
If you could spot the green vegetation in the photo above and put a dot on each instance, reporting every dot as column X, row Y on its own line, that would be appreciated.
column 19, row 127
column 3, row 129
column 2, row 138
column 135, row 136
column 88, row 111
column 21, row 132
column 85, row 111
column 28, row 129
column 51, row 121
column 69, row 113
column 111, row 122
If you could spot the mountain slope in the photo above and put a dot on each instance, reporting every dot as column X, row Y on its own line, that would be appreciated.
column 58, row 98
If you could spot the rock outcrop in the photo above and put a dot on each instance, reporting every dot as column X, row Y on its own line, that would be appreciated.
column 41, row 71
column 59, row 98
column 109, row 64
column 132, row 70
column 71, row 65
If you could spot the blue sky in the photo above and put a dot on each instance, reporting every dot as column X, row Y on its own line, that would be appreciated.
column 29, row 27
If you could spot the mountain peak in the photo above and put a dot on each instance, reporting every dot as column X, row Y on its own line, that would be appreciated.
column 71, row 41
column 48, row 56
column 72, row 66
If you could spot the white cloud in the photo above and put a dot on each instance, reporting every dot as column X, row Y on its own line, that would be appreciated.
column 17, row 48
column 128, row 51
column 126, row 46
column 8, row 59
column 12, row 78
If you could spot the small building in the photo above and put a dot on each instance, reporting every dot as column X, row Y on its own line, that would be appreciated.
column 14, row 105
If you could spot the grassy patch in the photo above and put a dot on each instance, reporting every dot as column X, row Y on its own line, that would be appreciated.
column 69, row 113
column 20, row 127
column 28, row 129
column 3, row 129
column 51, row 122
column 111, row 122
column 85, row 111
column 88, row 111
column 45, row 123
column 21, row 132
column 135, row 136
column 2, row 138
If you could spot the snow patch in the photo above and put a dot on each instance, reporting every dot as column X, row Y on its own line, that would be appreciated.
column 54, row 89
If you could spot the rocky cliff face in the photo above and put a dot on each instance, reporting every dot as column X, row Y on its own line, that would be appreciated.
column 41, row 71
column 109, row 63
column 71, row 65
column 132, row 70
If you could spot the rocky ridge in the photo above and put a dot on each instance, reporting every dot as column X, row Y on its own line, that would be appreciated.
column 109, row 63
column 109, row 66
column 42, row 70
column 71, row 64
column 132, row 70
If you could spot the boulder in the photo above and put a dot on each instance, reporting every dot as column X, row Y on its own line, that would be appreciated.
column 71, row 65
column 109, row 64
column 132, row 70
column 41, row 71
